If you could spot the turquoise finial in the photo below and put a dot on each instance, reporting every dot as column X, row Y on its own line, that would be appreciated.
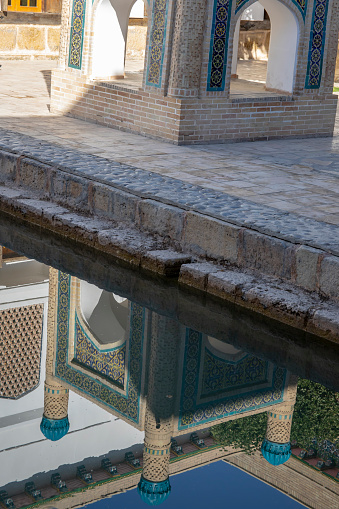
column 276, row 454
column 154, row 493
column 54, row 429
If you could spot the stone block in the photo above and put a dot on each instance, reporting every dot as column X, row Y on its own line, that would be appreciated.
column 329, row 277
column 307, row 259
column 100, row 200
column 7, row 38
column 124, row 206
column 267, row 254
column 228, row 284
column 33, row 175
column 31, row 38
column 327, row 320
column 165, row 262
column 8, row 165
column 127, row 245
column 280, row 301
column 206, row 236
column 196, row 274
column 53, row 39
column 161, row 219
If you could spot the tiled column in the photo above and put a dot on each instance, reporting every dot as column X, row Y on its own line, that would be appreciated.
column 187, row 47
column 276, row 447
column 54, row 424
column 154, row 485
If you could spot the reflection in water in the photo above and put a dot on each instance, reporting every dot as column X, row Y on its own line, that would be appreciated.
column 104, row 358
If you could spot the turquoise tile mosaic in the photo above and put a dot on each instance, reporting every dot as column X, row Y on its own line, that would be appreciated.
column 215, row 377
column 157, row 43
column 219, row 45
column 127, row 404
column 220, row 375
column 77, row 34
column 109, row 363
column 317, row 44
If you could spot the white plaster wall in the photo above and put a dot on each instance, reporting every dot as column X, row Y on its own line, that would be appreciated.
column 138, row 9
column 235, row 48
column 22, row 284
column 106, row 314
column 24, row 451
column 110, row 35
column 283, row 46
column 253, row 13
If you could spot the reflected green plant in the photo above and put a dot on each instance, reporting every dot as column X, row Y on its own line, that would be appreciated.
column 315, row 420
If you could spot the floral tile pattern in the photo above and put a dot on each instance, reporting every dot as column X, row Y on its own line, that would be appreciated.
column 77, row 34
column 127, row 404
column 194, row 413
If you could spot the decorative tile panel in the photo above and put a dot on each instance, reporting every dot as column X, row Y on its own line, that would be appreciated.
column 127, row 404
column 157, row 43
column 317, row 44
column 77, row 34
column 301, row 4
column 195, row 413
column 219, row 45
column 110, row 363
column 20, row 347
column 220, row 375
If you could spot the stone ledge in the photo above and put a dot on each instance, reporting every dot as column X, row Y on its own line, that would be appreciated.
column 161, row 213
column 201, row 235
column 266, row 295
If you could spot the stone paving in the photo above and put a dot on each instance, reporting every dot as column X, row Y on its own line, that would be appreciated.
column 298, row 176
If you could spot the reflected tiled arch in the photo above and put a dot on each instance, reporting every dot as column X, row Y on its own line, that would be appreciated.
column 266, row 388
column 126, row 403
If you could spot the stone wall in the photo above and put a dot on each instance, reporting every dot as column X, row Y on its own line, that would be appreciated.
column 254, row 44
column 19, row 41
column 136, row 38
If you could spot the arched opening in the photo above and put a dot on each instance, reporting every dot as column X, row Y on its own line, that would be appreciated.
column 117, row 43
column 265, row 50
column 105, row 314
column 136, row 43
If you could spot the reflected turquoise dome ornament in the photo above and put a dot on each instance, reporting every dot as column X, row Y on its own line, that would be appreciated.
column 54, row 429
column 154, row 493
column 276, row 454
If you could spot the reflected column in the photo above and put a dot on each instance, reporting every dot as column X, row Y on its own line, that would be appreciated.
column 154, row 486
column 276, row 448
column 55, row 423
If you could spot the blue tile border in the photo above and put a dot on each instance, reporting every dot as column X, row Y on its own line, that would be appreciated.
column 317, row 44
column 156, row 50
column 217, row 63
column 77, row 34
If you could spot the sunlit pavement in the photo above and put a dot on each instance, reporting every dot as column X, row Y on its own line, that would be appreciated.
column 300, row 176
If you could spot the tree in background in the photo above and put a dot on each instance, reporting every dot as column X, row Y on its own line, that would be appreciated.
column 316, row 416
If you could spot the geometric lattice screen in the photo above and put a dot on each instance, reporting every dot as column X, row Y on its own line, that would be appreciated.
column 20, row 349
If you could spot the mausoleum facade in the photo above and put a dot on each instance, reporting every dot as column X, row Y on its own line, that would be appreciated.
column 186, row 94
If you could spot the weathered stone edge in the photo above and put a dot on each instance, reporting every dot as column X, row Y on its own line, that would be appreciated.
column 195, row 233
column 267, row 295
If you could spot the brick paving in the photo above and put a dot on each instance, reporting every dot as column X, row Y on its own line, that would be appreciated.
column 299, row 176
